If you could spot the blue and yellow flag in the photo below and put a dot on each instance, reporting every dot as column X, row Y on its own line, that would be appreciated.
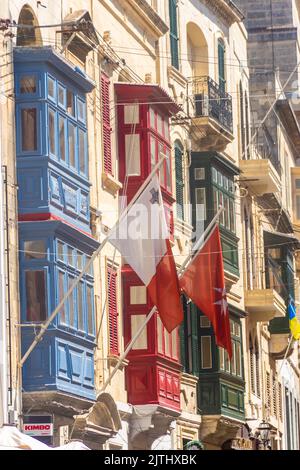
column 294, row 322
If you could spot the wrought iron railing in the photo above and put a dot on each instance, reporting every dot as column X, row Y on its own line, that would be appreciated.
column 212, row 101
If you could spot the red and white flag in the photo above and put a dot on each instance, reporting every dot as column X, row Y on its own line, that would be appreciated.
column 142, row 238
column 203, row 282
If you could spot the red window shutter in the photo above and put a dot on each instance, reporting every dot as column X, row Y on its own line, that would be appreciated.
column 106, row 124
column 112, row 311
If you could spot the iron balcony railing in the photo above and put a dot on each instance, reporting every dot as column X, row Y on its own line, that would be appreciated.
column 212, row 101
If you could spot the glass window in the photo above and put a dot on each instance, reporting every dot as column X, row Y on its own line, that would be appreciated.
column 35, row 285
column 167, row 337
column 51, row 87
column 80, row 306
column 61, row 293
column 136, row 323
column 152, row 118
column 168, row 171
column 199, row 174
column 28, row 84
column 70, row 103
column 138, row 295
column 62, row 138
column 205, row 322
column 200, row 196
column 81, row 110
column 61, row 96
column 160, row 328
column 160, row 124
column 153, row 152
column 71, row 303
column 90, row 309
column 131, row 114
column 174, row 338
column 29, row 129
column 206, row 355
column 72, row 144
column 82, row 159
column 35, row 249
column 133, row 154
column 60, row 250
column 51, row 117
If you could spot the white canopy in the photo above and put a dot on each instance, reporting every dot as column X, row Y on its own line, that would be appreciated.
column 13, row 439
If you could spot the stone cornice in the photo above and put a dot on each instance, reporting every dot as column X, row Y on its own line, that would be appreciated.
column 226, row 9
column 146, row 12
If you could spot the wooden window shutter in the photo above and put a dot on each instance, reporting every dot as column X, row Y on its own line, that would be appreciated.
column 174, row 33
column 112, row 312
column 221, row 58
column 179, row 181
column 106, row 124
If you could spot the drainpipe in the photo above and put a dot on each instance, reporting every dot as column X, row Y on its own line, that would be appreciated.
column 4, row 370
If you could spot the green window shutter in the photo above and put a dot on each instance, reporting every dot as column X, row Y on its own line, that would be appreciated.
column 174, row 33
column 221, row 60
column 179, row 181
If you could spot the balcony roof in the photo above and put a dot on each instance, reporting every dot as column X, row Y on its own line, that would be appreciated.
column 50, row 55
column 290, row 122
column 131, row 93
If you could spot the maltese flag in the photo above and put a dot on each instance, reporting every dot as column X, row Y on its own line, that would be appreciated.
column 142, row 238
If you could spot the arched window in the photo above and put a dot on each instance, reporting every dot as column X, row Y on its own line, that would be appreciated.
column 179, row 179
column 221, row 62
column 27, row 36
column 174, row 38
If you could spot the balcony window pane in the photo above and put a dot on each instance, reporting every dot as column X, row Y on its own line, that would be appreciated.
column 51, row 117
column 60, row 250
column 200, row 197
column 72, row 145
column 90, row 300
column 81, row 110
column 133, row 154
column 160, row 329
column 82, row 159
column 29, row 129
column 206, row 355
column 61, row 293
column 70, row 103
column 61, row 96
column 71, row 303
column 167, row 343
column 35, row 249
column 62, row 138
column 138, row 295
column 174, row 337
column 80, row 307
column 35, row 285
column 51, row 88
column 131, row 114
column 136, row 323
column 28, row 84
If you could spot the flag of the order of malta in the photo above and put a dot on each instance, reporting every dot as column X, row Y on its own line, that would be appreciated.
column 142, row 238
column 203, row 282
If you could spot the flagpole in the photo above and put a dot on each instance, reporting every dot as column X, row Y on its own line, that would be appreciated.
column 45, row 325
column 200, row 242
column 130, row 345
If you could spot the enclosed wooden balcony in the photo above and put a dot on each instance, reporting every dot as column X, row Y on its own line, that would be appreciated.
column 260, row 176
column 211, row 114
